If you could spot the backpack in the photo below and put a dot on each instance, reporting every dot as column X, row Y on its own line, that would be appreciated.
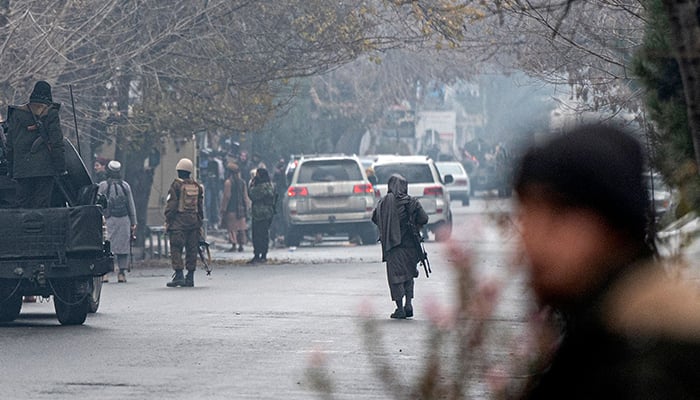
column 117, row 205
column 189, row 197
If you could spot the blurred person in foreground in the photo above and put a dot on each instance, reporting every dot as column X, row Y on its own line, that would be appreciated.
column 397, row 216
column 629, row 331
column 234, row 207
column 184, row 213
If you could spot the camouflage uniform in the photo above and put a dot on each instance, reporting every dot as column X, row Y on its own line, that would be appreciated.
column 183, row 227
column 262, row 196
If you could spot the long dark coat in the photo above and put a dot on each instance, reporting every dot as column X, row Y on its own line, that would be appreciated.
column 392, row 217
column 47, row 159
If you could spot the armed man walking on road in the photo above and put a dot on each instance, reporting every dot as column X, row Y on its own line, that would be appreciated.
column 399, row 218
column 184, row 213
column 35, row 151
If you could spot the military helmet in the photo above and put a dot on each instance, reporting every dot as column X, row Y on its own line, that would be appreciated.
column 185, row 164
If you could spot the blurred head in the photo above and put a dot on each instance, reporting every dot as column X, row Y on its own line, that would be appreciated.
column 397, row 185
column 185, row 164
column 369, row 171
column 184, row 168
column 41, row 93
column 114, row 169
column 233, row 169
column 100, row 164
column 261, row 175
column 582, row 210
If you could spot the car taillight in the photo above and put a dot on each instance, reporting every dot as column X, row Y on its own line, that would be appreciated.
column 363, row 188
column 460, row 182
column 432, row 191
column 295, row 191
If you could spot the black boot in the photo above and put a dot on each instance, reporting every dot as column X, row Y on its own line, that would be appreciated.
column 263, row 258
column 254, row 260
column 408, row 309
column 189, row 279
column 178, row 279
column 400, row 313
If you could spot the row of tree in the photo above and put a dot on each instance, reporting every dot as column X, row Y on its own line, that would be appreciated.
column 147, row 69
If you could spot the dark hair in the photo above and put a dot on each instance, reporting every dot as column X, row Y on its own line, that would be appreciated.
column 596, row 167
column 261, row 175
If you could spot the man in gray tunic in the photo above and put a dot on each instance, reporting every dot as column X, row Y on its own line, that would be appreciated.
column 120, row 216
column 396, row 215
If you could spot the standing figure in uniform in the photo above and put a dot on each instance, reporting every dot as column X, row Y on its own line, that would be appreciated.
column 234, row 207
column 262, row 195
column 35, row 152
column 120, row 216
column 184, row 213
column 396, row 216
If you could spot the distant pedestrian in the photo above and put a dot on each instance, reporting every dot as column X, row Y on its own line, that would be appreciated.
column 234, row 207
column 371, row 177
column 100, row 169
column 278, row 227
column 262, row 195
column 184, row 213
column 630, row 332
column 398, row 217
column 120, row 216
column 35, row 152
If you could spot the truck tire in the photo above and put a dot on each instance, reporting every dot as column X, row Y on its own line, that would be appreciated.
column 10, row 309
column 71, row 307
column 95, row 294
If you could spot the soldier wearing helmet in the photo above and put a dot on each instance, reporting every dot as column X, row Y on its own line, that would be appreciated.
column 184, row 213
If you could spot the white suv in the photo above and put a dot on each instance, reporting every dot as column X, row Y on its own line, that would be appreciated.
column 425, row 184
column 329, row 194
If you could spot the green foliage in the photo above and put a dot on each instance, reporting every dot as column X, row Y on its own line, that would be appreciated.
column 672, row 148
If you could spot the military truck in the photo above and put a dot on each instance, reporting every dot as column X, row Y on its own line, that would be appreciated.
column 58, row 252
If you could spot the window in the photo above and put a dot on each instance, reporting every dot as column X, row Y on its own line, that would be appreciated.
column 315, row 171
column 414, row 173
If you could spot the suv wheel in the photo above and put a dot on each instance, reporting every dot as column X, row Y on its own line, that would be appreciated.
column 292, row 238
column 10, row 308
column 368, row 235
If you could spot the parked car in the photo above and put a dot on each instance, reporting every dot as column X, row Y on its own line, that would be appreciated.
column 660, row 193
column 459, row 189
column 425, row 184
column 329, row 195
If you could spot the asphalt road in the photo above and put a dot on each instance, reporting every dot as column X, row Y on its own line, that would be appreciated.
column 250, row 332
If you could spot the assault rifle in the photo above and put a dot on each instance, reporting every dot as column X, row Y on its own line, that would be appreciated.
column 203, row 249
column 420, row 248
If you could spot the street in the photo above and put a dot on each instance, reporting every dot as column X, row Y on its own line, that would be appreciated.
column 249, row 332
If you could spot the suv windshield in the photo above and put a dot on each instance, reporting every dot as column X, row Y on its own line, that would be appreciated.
column 446, row 169
column 329, row 171
column 414, row 173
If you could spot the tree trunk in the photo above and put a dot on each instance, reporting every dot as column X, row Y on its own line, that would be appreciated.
column 684, row 21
